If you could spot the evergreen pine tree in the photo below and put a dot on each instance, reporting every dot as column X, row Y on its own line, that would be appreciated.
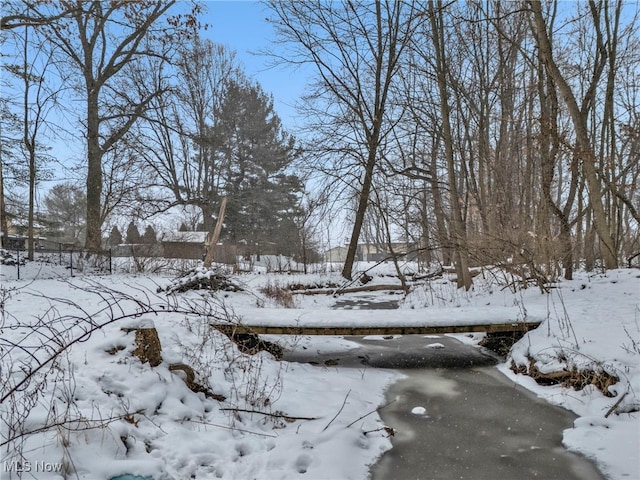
column 115, row 237
column 255, row 153
column 149, row 236
column 133, row 235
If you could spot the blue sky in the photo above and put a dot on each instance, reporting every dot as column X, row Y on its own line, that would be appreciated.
column 242, row 26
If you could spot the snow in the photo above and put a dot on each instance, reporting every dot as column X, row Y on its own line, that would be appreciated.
column 148, row 423
column 593, row 323
column 326, row 317
column 285, row 420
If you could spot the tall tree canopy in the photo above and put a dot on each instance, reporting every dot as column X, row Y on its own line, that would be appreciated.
column 254, row 154
column 102, row 41
column 492, row 132
column 355, row 48
column 216, row 136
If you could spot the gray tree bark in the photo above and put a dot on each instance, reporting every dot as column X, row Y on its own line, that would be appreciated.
column 458, row 231
column 584, row 151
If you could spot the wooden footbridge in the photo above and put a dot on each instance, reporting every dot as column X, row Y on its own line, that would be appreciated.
column 495, row 321
column 491, row 328
column 499, row 336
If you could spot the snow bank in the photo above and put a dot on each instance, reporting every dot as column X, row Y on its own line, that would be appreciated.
column 102, row 413
column 592, row 323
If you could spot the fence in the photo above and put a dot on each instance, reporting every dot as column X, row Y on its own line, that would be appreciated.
column 140, row 258
column 49, row 257
column 72, row 259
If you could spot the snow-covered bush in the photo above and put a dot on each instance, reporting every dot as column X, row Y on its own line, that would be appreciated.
column 7, row 258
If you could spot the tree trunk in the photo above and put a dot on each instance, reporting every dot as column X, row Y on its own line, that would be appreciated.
column 29, row 139
column 583, row 149
column 93, row 241
column 4, row 225
column 215, row 235
column 303, row 242
column 548, row 158
column 29, row 143
column 425, row 242
column 589, row 244
column 441, row 224
column 363, row 202
column 457, row 225
column 32, row 200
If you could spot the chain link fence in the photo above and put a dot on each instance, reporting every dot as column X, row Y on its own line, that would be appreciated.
column 72, row 260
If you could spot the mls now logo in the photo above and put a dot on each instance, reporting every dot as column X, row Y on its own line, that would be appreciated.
column 22, row 467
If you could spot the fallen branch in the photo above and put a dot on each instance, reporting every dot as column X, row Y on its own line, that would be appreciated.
column 428, row 276
column 344, row 402
column 615, row 405
column 235, row 429
column 388, row 430
column 81, row 425
column 268, row 414
column 372, row 411
column 201, row 278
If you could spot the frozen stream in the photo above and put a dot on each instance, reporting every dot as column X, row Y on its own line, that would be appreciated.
column 470, row 422
column 457, row 417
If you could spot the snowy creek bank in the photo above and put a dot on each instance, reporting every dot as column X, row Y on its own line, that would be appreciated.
column 321, row 415
column 462, row 419
column 455, row 416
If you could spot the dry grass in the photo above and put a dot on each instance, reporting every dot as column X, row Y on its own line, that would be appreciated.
column 574, row 378
column 281, row 295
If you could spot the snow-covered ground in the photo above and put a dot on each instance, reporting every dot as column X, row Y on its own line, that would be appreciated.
column 591, row 323
column 109, row 414
column 594, row 324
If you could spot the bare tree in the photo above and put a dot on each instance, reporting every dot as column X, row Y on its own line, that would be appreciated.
column 176, row 142
column 27, row 13
column 549, row 151
column 88, row 39
column 9, row 146
column 37, row 100
column 355, row 48
column 584, row 149
column 458, row 230
column 310, row 213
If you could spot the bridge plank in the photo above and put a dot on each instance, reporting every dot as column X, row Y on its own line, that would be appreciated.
column 379, row 330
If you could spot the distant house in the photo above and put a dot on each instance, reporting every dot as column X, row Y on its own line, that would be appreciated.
column 190, row 245
column 14, row 242
column 377, row 252
column 336, row 255
column 16, row 236
column 371, row 252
